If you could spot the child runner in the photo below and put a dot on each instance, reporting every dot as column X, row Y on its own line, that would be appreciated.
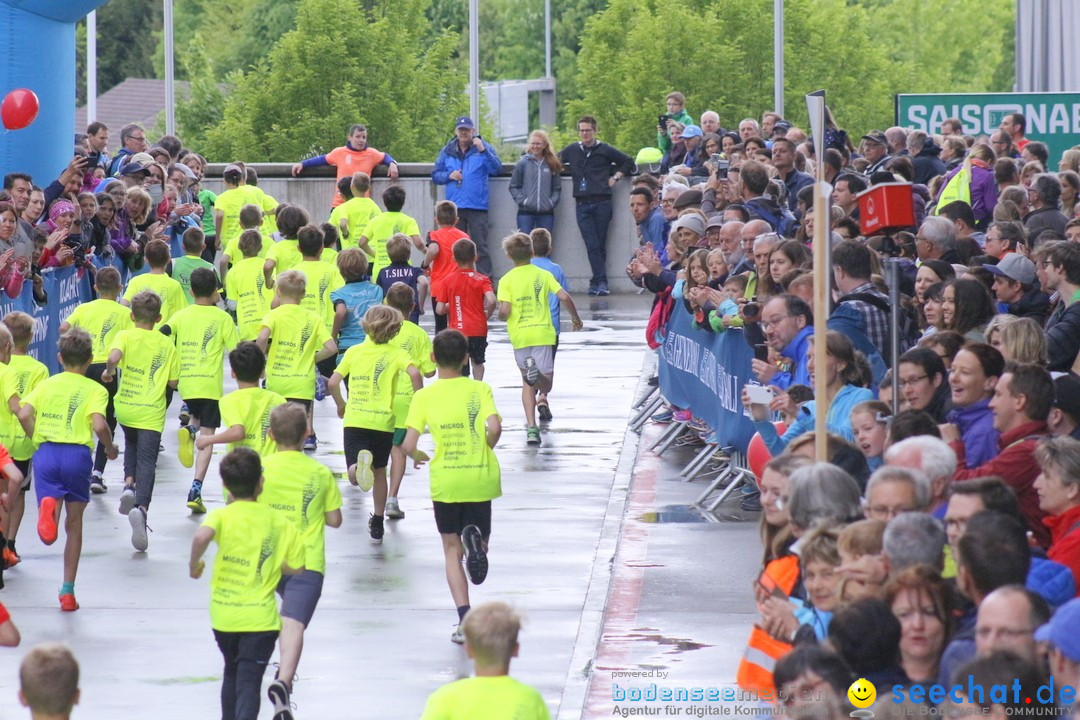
column 322, row 278
column 305, row 492
column 246, row 286
column 102, row 319
column 245, row 412
column 27, row 373
column 374, row 369
column 491, row 640
column 49, row 682
column 384, row 225
column 256, row 547
column 202, row 334
column 149, row 367
column 398, row 250
column 194, row 243
column 440, row 253
column 354, row 214
column 10, row 433
column 337, row 214
column 251, row 217
column 62, row 414
column 353, row 300
column 461, row 416
column 415, row 341
column 331, row 236
column 523, row 303
column 541, row 240
column 300, row 339
column 168, row 290
column 284, row 255
column 468, row 301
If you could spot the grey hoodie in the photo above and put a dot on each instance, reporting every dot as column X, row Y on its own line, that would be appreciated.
column 534, row 187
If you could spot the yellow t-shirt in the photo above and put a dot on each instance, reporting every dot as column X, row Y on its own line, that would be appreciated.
column 381, row 228
column 322, row 279
column 229, row 203
column 527, row 288
column 11, row 432
column 102, row 319
column 63, row 405
column 26, row 373
column 253, row 543
column 296, row 335
column 417, row 344
column 285, row 254
column 202, row 334
column 303, row 490
column 486, row 698
column 170, row 292
column 251, row 408
column 456, row 410
column 329, row 256
column 246, row 284
column 150, row 362
column 374, row 372
column 357, row 213
column 235, row 256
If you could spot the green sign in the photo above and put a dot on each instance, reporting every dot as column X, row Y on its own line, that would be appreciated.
column 1053, row 118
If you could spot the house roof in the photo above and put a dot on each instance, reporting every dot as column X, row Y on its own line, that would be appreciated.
column 134, row 100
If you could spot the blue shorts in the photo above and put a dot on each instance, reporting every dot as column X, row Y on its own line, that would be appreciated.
column 62, row 471
column 300, row 594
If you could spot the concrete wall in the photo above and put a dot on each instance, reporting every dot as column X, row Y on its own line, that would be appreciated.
column 315, row 193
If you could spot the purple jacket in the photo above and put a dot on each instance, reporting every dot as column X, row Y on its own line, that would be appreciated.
column 976, row 425
column 983, row 190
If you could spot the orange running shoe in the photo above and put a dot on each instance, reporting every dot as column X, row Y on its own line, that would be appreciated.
column 10, row 558
column 68, row 603
column 46, row 524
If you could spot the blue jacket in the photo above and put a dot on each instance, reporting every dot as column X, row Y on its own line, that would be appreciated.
column 796, row 352
column 976, row 425
column 472, row 192
column 838, row 421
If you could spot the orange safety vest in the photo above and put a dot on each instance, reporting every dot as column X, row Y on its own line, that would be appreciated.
column 762, row 649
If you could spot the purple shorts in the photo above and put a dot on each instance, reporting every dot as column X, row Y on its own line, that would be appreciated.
column 62, row 471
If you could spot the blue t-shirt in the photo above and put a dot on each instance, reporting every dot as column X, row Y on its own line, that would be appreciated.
column 552, row 267
column 403, row 273
column 357, row 297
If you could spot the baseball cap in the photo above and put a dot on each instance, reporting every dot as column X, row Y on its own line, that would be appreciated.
column 876, row 136
column 690, row 198
column 1061, row 630
column 232, row 167
column 691, row 131
column 1015, row 267
column 131, row 168
column 1067, row 395
column 690, row 221
column 781, row 125
column 464, row 121
column 142, row 158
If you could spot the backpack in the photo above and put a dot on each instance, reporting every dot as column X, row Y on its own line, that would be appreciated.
column 656, row 329
column 909, row 328
column 783, row 223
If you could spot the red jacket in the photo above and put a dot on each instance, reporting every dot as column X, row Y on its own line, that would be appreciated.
column 1065, row 543
column 1016, row 465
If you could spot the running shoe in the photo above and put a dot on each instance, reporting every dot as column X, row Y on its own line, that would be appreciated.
column 185, row 415
column 543, row 410
column 68, row 603
column 663, row 417
column 320, row 386
column 46, row 524
column 127, row 499
column 186, row 452
column 195, row 502
column 476, row 562
column 532, row 373
column 532, row 435
column 682, row 416
column 97, row 483
column 375, row 529
column 139, row 539
column 10, row 558
column 602, row 289
column 311, row 443
column 278, row 692
column 458, row 636
column 365, row 476
column 393, row 509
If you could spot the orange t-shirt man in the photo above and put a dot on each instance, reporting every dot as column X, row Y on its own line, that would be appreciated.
column 355, row 156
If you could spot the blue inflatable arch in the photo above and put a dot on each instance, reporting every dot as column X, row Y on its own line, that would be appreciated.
column 37, row 51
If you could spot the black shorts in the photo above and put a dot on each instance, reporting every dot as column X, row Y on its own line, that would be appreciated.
column 205, row 411
column 24, row 468
column 375, row 441
column 452, row 518
column 327, row 366
column 478, row 349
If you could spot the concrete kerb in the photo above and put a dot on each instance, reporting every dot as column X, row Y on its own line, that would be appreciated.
column 576, row 687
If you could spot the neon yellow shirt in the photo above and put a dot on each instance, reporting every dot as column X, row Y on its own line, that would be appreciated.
column 296, row 335
column 322, row 279
column 527, row 288
column 246, row 284
column 456, row 410
column 102, row 319
column 417, row 344
column 285, row 254
column 303, row 490
column 27, row 374
column 63, row 406
column 202, row 334
column 11, row 432
column 150, row 362
column 380, row 229
column 374, row 372
column 230, row 203
column 170, row 292
column 329, row 256
column 253, row 543
column 268, row 203
column 251, row 408
column 357, row 213
column 486, row 698
column 232, row 250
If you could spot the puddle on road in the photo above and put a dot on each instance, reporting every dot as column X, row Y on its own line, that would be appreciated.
column 184, row 680
column 695, row 514
column 675, row 645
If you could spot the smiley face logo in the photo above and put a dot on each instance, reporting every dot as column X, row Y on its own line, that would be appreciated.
column 862, row 693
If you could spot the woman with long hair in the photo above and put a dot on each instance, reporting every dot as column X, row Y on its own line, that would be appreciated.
column 966, row 307
column 787, row 256
column 920, row 600
column 535, row 184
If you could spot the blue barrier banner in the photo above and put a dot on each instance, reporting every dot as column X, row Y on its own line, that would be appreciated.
column 705, row 372
column 66, row 288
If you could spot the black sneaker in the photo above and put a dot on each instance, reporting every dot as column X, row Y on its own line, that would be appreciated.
column 543, row 411
column 476, row 563
column 375, row 529
column 278, row 692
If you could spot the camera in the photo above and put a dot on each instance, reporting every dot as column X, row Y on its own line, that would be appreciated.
column 722, row 164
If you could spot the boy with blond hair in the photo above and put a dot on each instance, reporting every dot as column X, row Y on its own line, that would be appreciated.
column 399, row 250
column 49, row 682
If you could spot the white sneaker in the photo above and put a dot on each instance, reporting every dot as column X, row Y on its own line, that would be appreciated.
column 127, row 500
column 458, row 636
column 97, row 483
column 365, row 476
column 393, row 509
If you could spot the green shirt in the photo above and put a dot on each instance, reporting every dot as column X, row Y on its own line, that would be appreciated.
column 182, row 269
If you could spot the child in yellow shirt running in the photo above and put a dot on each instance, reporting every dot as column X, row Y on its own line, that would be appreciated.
column 245, row 412
column 168, row 290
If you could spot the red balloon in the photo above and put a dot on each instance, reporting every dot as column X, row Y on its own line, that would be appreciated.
column 757, row 455
column 19, row 109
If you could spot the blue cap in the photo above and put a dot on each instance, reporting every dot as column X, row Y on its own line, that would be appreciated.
column 1061, row 630
column 691, row 131
column 464, row 121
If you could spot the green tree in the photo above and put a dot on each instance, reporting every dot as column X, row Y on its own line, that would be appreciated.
column 128, row 33
column 234, row 35
column 372, row 65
